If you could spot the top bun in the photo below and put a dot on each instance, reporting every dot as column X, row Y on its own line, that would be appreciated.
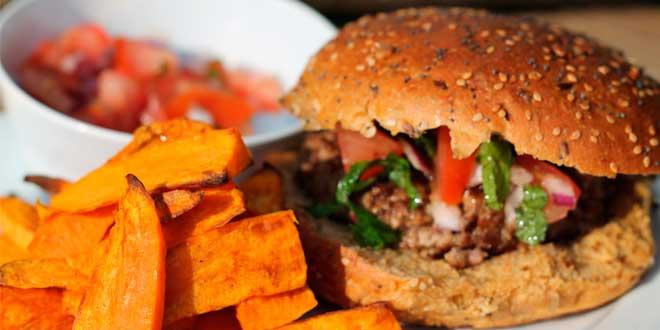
column 556, row 95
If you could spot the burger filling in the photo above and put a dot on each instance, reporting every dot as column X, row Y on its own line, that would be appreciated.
column 415, row 195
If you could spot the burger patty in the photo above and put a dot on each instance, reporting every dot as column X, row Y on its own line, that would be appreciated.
column 484, row 231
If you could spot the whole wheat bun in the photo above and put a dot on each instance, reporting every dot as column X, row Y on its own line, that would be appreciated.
column 556, row 95
column 528, row 284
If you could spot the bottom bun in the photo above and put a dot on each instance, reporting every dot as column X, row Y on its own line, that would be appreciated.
column 528, row 284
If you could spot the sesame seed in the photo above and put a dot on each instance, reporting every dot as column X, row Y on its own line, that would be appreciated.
column 614, row 168
column 653, row 142
column 570, row 68
column 575, row 135
column 538, row 136
column 609, row 119
column 558, row 50
column 528, row 115
column 477, row 117
column 578, row 115
column 503, row 76
column 537, row 97
column 563, row 150
column 570, row 97
column 637, row 150
column 490, row 49
column 603, row 70
column 651, row 130
column 333, row 56
column 426, row 26
column 556, row 131
column 452, row 26
column 595, row 132
column 571, row 78
column 646, row 161
column 535, row 75
column 484, row 33
column 461, row 82
column 359, row 67
column 500, row 32
column 467, row 75
column 588, row 87
column 502, row 113
column 370, row 61
column 584, row 105
column 632, row 137
column 593, row 139
column 498, row 86
column 622, row 103
column 509, row 42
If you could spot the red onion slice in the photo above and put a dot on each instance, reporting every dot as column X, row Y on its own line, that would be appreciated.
column 563, row 200
column 445, row 216
column 417, row 159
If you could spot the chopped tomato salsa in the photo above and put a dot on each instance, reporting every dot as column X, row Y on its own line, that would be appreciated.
column 122, row 83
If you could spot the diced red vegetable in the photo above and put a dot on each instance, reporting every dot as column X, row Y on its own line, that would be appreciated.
column 563, row 192
column 355, row 147
column 143, row 60
column 227, row 110
column 451, row 174
column 372, row 172
column 260, row 90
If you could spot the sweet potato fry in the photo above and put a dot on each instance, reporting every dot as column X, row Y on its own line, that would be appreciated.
column 263, row 191
column 217, row 208
column 270, row 312
column 9, row 251
column 199, row 161
column 41, row 273
column 224, row 319
column 18, row 220
column 69, row 234
column 33, row 309
column 160, row 132
column 172, row 204
column 128, row 286
column 252, row 257
column 372, row 317
column 48, row 184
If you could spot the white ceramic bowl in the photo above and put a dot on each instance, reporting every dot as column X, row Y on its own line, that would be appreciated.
column 275, row 36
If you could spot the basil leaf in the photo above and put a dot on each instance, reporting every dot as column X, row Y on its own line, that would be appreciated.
column 427, row 143
column 369, row 231
column 531, row 222
column 348, row 183
column 495, row 157
column 324, row 210
column 398, row 171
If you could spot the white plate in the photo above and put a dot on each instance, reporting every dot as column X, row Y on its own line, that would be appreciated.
column 635, row 310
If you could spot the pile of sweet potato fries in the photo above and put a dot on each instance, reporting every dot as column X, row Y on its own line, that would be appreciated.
column 160, row 237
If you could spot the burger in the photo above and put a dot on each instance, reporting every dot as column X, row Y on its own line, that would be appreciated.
column 473, row 169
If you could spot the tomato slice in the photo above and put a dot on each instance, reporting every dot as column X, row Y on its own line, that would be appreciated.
column 260, row 90
column 143, row 60
column 226, row 109
column 451, row 174
column 563, row 192
column 355, row 147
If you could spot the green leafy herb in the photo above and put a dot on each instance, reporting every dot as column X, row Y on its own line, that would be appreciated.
column 398, row 171
column 368, row 230
column 427, row 144
column 350, row 181
column 495, row 157
column 324, row 210
column 531, row 222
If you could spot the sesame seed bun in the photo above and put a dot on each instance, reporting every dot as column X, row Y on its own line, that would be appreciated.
column 556, row 95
